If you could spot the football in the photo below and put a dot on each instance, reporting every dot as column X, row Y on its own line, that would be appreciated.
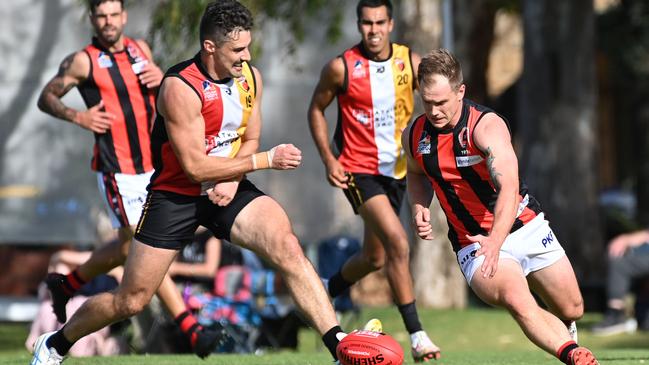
column 369, row 348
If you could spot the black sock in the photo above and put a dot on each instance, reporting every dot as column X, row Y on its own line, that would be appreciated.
column 410, row 317
column 331, row 341
column 59, row 342
column 564, row 351
column 337, row 285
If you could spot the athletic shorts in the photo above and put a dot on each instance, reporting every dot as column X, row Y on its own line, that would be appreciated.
column 169, row 220
column 124, row 195
column 534, row 246
column 361, row 187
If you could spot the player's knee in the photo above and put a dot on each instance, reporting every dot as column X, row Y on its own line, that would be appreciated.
column 287, row 252
column 398, row 252
column 572, row 311
column 517, row 306
column 130, row 304
column 376, row 260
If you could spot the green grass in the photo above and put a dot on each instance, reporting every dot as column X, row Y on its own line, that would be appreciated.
column 474, row 336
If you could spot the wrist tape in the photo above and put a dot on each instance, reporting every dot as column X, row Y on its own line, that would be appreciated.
column 263, row 160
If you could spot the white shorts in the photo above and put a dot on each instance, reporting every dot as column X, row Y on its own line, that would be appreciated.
column 534, row 246
column 124, row 196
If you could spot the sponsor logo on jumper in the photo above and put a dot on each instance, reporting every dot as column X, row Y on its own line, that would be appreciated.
column 400, row 64
column 465, row 161
column 384, row 117
column 359, row 70
column 463, row 138
column 104, row 60
column 139, row 62
column 423, row 147
column 215, row 144
column 134, row 53
column 380, row 69
column 210, row 90
column 243, row 83
column 137, row 67
column 361, row 116
column 548, row 239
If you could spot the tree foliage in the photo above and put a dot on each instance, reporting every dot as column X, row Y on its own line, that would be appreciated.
column 624, row 36
column 174, row 24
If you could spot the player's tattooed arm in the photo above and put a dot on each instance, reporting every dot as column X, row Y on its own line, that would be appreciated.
column 495, row 175
column 66, row 78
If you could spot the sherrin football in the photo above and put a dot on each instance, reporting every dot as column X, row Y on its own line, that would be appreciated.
column 369, row 348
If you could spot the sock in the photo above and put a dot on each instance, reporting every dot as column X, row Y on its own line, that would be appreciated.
column 331, row 340
column 410, row 317
column 59, row 342
column 73, row 282
column 188, row 324
column 564, row 351
column 337, row 284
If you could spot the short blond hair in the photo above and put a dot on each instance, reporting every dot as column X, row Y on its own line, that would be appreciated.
column 441, row 62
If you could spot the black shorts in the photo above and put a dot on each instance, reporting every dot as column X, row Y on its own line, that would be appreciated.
column 362, row 187
column 169, row 220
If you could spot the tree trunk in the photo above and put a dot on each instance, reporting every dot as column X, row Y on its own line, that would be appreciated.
column 474, row 30
column 558, row 125
column 642, row 160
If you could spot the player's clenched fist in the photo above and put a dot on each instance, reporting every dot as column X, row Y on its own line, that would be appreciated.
column 280, row 157
column 285, row 157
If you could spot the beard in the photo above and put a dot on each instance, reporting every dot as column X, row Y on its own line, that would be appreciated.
column 110, row 35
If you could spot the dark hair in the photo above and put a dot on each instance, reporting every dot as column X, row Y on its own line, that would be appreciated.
column 222, row 17
column 372, row 4
column 441, row 62
column 93, row 4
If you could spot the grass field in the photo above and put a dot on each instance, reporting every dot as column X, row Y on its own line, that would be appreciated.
column 474, row 336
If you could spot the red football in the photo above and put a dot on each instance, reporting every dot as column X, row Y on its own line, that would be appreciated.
column 369, row 348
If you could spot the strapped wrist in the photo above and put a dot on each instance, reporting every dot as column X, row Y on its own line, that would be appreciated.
column 261, row 160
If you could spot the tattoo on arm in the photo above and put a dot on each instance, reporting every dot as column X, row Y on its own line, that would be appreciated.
column 495, row 175
column 65, row 65
column 50, row 99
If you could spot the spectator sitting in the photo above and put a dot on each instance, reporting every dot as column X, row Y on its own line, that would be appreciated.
column 628, row 259
column 196, row 264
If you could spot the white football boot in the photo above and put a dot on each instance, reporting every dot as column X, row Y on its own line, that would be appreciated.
column 44, row 355
column 423, row 349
